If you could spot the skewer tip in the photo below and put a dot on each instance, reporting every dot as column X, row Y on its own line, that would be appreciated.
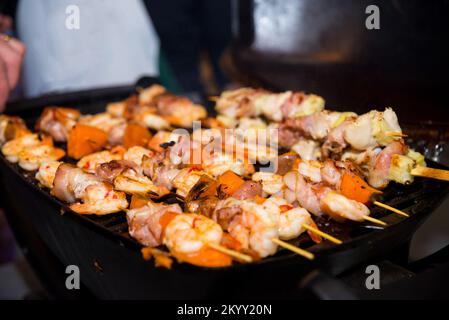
column 322, row 234
column 304, row 253
column 392, row 209
column 374, row 220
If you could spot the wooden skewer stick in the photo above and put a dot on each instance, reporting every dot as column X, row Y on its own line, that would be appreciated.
column 232, row 253
column 213, row 98
column 288, row 246
column 395, row 134
column 386, row 206
column 374, row 220
column 323, row 234
column 438, row 174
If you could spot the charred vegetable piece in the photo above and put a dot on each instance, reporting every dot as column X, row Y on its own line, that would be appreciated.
column 230, row 182
column 84, row 140
column 355, row 188
column 205, row 257
column 136, row 135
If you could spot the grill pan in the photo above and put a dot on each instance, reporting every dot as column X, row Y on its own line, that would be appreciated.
column 110, row 263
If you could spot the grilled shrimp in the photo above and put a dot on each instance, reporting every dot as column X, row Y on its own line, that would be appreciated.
column 46, row 173
column 136, row 154
column 271, row 183
column 185, row 179
column 291, row 219
column 57, row 122
column 179, row 111
column 12, row 148
column 301, row 191
column 189, row 233
column 219, row 162
column 369, row 130
column 151, row 120
column 133, row 182
column 116, row 109
column 147, row 95
column 339, row 207
column 307, row 149
column 97, row 197
column 12, row 128
column 145, row 222
column 103, row 121
column 237, row 103
column 254, row 228
column 319, row 199
column 100, row 199
column 90, row 162
column 31, row 158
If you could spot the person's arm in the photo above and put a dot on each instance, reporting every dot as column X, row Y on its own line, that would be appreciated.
column 11, row 58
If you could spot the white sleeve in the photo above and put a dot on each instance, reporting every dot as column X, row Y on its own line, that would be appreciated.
column 116, row 44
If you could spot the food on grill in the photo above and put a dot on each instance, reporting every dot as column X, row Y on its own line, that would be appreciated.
column 84, row 140
column 128, row 159
column 11, row 128
column 57, row 122
column 373, row 141
column 72, row 184
column 158, row 109
column 29, row 151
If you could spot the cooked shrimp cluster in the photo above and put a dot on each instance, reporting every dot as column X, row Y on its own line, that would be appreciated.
column 221, row 209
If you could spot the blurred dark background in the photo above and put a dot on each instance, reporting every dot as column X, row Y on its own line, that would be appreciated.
column 320, row 46
column 323, row 46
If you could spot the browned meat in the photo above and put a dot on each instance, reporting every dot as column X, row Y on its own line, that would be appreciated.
column 330, row 174
column 248, row 190
column 285, row 162
column 288, row 135
column 335, row 142
column 57, row 122
column 203, row 206
column 378, row 175
column 160, row 169
column 61, row 182
column 224, row 216
column 166, row 103
column 295, row 99
column 144, row 223
column 110, row 170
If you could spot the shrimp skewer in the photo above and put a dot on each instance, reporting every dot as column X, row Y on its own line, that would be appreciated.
column 372, row 140
column 11, row 128
column 158, row 109
column 57, row 122
column 95, row 196
column 190, row 238
column 29, row 151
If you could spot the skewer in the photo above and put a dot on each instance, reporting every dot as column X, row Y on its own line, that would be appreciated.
column 232, row 253
column 438, row 174
column 374, row 220
column 395, row 134
column 288, row 246
column 323, row 234
column 386, row 206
